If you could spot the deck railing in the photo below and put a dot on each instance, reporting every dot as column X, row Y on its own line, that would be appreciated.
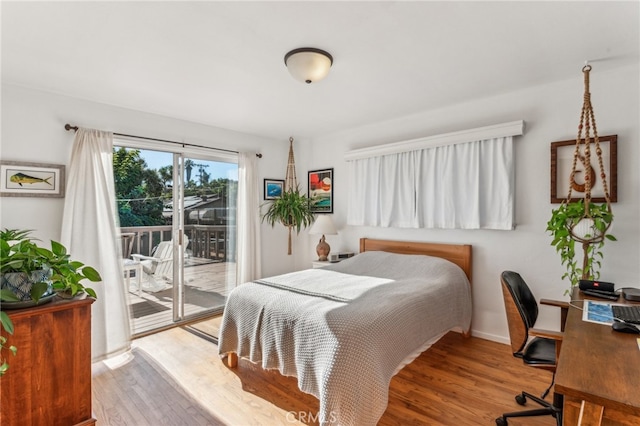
column 214, row 242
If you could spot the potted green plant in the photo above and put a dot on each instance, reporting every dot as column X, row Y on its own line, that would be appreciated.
column 292, row 209
column 564, row 226
column 31, row 274
column 48, row 269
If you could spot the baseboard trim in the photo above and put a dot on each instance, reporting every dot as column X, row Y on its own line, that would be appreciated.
column 491, row 337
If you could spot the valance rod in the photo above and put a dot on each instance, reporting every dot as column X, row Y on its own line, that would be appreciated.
column 75, row 129
column 514, row 128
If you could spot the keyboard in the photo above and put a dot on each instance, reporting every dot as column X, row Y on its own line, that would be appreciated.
column 630, row 314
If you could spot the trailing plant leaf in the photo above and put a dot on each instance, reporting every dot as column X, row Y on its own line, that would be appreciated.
column 38, row 290
column 7, row 325
column 5, row 365
column 8, row 296
column 91, row 274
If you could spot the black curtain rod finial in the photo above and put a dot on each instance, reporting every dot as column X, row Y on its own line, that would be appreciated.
column 68, row 127
column 259, row 155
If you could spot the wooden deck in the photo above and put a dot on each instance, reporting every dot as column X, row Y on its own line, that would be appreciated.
column 206, row 288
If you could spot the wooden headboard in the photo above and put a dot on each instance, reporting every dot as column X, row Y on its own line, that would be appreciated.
column 460, row 254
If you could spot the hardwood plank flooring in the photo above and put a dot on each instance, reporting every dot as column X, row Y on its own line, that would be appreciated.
column 210, row 326
column 456, row 382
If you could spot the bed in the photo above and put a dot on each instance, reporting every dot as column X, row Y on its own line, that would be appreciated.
column 346, row 329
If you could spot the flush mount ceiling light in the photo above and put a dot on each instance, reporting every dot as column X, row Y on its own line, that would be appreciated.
column 308, row 64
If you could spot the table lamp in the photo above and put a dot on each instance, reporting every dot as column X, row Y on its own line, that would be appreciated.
column 323, row 225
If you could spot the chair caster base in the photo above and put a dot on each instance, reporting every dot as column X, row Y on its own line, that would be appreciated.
column 501, row 421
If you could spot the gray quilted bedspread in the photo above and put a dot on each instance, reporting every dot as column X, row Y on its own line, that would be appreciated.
column 346, row 329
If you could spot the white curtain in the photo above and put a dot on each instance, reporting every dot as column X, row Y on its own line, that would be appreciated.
column 460, row 186
column 249, row 265
column 91, row 233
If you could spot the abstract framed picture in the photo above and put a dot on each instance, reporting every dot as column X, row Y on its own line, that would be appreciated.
column 562, row 154
column 320, row 190
column 273, row 188
column 18, row 179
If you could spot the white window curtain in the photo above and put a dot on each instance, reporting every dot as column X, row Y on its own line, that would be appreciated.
column 458, row 186
column 249, row 265
column 91, row 233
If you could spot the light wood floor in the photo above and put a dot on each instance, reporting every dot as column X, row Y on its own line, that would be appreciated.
column 456, row 382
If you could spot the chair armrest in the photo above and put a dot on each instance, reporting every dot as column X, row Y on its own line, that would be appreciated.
column 564, row 309
column 558, row 303
column 547, row 334
column 141, row 257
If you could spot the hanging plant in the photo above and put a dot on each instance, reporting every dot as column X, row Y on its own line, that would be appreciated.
column 567, row 224
column 292, row 209
column 582, row 221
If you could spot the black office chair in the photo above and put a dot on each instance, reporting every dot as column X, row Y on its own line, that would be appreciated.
column 541, row 352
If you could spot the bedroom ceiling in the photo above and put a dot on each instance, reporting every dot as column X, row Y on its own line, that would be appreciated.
column 222, row 63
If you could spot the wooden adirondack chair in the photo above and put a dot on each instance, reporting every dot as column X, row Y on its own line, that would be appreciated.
column 158, row 268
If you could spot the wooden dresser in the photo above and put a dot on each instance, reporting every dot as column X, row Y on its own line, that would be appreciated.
column 49, row 379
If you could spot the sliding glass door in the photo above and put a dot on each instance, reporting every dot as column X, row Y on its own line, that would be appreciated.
column 177, row 216
column 209, row 208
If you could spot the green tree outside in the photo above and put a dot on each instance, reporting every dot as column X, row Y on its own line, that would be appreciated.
column 139, row 190
column 142, row 192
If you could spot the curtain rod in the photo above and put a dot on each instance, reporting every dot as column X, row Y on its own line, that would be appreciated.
column 75, row 129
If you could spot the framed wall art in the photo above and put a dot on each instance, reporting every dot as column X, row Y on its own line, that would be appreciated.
column 19, row 179
column 562, row 153
column 320, row 190
column 273, row 188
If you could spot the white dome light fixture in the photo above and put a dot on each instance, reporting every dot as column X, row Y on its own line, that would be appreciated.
column 308, row 64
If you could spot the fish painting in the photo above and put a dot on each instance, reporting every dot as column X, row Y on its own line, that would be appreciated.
column 274, row 190
column 21, row 178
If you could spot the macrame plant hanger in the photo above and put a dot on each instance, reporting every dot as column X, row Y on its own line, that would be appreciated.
column 290, row 185
column 583, row 229
column 290, row 180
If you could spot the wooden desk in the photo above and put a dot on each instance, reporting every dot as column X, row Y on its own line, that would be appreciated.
column 598, row 372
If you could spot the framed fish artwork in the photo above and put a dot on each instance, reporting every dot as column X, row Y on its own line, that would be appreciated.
column 19, row 179
column 273, row 188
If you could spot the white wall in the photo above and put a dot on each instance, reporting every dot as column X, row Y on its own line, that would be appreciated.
column 33, row 130
column 551, row 113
